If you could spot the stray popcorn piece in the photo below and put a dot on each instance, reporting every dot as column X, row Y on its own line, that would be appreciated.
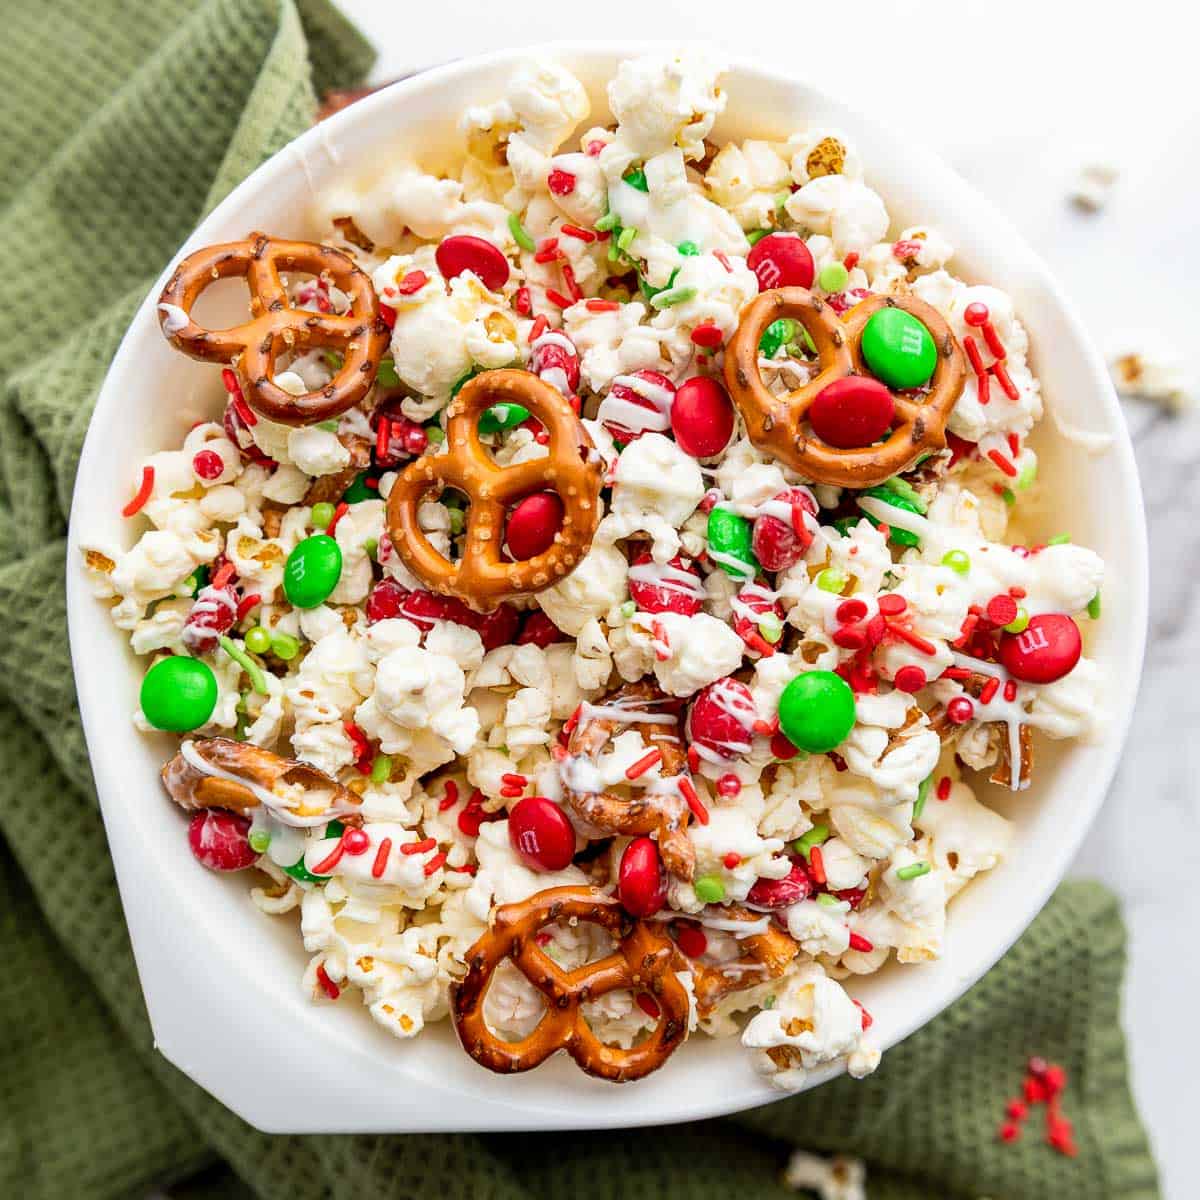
column 1153, row 370
column 744, row 720
column 1092, row 185
column 836, row 1178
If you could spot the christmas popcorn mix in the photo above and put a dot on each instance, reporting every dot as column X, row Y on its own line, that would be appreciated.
column 598, row 609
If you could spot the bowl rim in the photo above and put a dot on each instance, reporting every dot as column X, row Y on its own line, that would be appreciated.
column 106, row 726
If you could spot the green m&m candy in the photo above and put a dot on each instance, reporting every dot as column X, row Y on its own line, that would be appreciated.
column 312, row 571
column 502, row 416
column 898, row 348
column 816, row 711
column 178, row 693
column 730, row 538
column 358, row 491
column 899, row 537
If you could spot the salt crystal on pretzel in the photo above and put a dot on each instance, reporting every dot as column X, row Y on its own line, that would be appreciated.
column 777, row 424
column 572, row 469
column 276, row 327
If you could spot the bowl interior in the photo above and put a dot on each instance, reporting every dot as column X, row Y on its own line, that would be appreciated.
column 222, row 980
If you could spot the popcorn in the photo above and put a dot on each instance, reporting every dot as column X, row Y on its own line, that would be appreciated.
column 438, row 738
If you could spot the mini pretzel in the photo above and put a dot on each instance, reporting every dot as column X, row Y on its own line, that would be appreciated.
column 232, row 771
column 761, row 956
column 573, row 469
column 275, row 328
column 664, row 813
column 644, row 960
column 1002, row 773
column 776, row 424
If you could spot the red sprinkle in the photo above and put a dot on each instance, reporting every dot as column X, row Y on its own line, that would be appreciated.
column 381, row 856
column 418, row 847
column 143, row 493
column 584, row 235
column 595, row 305
column 512, row 779
column 1002, row 609
column 1009, row 1132
column 338, row 513
column 539, row 327
column 892, row 605
column 984, row 388
column 860, row 943
column 688, row 790
column 1018, row 1110
column 994, row 344
column 465, row 869
column 414, row 281
column 383, row 434
column 972, row 349
column 450, row 799
column 913, row 639
column 732, row 860
column 246, row 604
column 560, row 182
column 867, row 1019
column 1014, row 444
column 723, row 259
column 330, row 988
column 816, row 866
column 223, row 575
column 438, row 860
column 690, row 939
column 558, row 298
column 568, row 274
column 326, row 865
column 910, row 679
column 943, row 787
column 523, row 302
column 989, row 690
column 851, row 260
column 1006, row 384
column 645, row 763
column 1003, row 463
column 388, row 313
column 708, row 336
column 729, row 785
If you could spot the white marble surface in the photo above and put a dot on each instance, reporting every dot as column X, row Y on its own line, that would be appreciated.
column 1017, row 96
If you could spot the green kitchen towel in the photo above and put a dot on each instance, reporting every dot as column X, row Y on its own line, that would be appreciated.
column 124, row 123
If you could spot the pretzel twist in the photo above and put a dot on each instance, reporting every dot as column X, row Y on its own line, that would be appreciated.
column 776, row 424
column 573, row 469
column 663, row 813
column 361, row 336
column 644, row 960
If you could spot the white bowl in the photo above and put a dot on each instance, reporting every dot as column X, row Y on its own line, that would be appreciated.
column 222, row 980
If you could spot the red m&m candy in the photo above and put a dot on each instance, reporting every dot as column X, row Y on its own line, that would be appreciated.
column 780, row 544
column 657, row 588
column 1046, row 650
column 540, row 834
column 702, row 417
column 641, row 880
column 539, row 630
column 657, row 400
column 722, row 718
column 221, row 840
column 462, row 252
column 499, row 627
column 781, row 260
column 851, row 412
column 780, row 893
column 532, row 525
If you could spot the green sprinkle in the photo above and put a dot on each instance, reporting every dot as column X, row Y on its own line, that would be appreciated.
column 1020, row 622
column 1093, row 608
column 436, row 434
column 258, row 640
column 756, row 235
column 628, row 609
column 637, row 179
column 626, row 237
column 1059, row 539
column 688, row 249
column 329, row 426
column 922, row 796
column 825, row 900
column 322, row 514
column 781, row 200
column 901, row 487
column 452, row 499
column 831, row 580
column 709, row 889
column 914, row 871
column 833, row 278
column 769, row 1002
column 371, row 546
column 457, row 520
column 777, row 334
column 957, row 560
column 381, row 768
column 816, row 836
column 613, row 252
column 285, row 646
column 771, row 627
column 607, row 222
column 257, row 679
column 1008, row 497
column 386, row 375
column 1027, row 476
column 520, row 233
column 358, row 491
column 897, row 536
column 671, row 296
column 332, row 359
column 259, row 840
column 500, row 417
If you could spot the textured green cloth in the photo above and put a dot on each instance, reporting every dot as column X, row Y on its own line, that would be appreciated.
column 123, row 123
